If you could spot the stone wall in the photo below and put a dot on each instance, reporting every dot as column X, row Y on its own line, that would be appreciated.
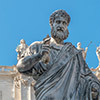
column 14, row 86
column 6, row 86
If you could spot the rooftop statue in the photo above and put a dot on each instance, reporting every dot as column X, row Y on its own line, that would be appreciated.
column 98, row 53
column 97, row 70
column 84, row 52
column 59, row 69
column 21, row 49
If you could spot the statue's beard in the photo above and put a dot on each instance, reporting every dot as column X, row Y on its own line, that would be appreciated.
column 59, row 34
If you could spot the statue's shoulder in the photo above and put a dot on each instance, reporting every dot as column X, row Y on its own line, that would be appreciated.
column 72, row 46
column 68, row 43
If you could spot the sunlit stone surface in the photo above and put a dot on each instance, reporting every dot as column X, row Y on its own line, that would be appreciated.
column 14, row 86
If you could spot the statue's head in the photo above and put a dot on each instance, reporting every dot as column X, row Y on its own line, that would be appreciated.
column 59, row 22
column 79, row 44
column 22, row 41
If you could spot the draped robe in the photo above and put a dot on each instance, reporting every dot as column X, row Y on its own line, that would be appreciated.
column 65, row 77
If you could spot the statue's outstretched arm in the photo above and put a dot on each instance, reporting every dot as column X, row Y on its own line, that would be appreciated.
column 28, row 62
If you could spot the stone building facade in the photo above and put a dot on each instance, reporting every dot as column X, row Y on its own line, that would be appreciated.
column 14, row 86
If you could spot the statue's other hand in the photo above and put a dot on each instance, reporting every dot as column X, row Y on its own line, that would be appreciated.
column 45, row 49
column 45, row 59
column 45, row 53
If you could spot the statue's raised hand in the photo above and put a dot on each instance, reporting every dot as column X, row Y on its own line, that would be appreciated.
column 45, row 53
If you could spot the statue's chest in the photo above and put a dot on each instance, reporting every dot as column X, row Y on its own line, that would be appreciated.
column 54, row 52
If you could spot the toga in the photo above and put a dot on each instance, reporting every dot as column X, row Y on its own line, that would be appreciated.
column 65, row 77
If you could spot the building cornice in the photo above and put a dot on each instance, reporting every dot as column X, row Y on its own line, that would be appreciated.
column 8, row 70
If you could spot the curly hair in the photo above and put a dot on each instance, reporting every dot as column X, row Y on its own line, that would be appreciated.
column 59, row 13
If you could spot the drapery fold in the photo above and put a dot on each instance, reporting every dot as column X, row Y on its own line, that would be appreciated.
column 69, row 78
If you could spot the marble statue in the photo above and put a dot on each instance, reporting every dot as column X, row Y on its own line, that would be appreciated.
column 59, row 69
column 98, row 53
column 97, row 70
column 84, row 52
column 21, row 49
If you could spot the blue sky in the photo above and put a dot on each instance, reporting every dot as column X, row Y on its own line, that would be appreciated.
column 29, row 20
